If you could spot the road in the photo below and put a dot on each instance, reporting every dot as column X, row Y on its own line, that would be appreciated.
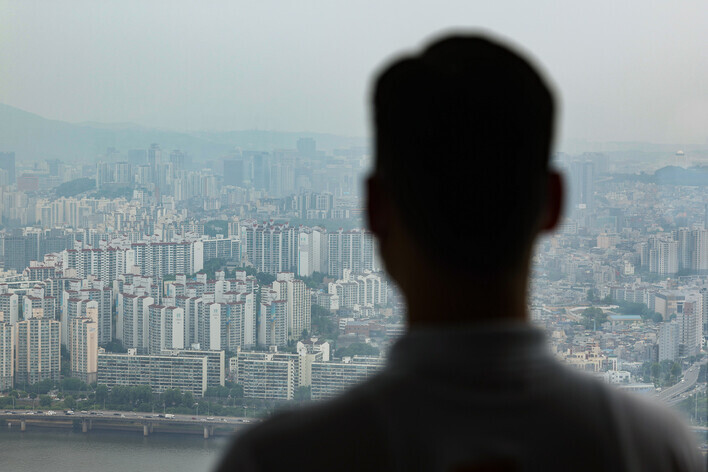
column 674, row 393
column 125, row 416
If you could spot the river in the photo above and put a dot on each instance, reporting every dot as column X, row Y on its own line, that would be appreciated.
column 60, row 451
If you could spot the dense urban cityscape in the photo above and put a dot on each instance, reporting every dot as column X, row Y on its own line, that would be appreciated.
column 249, row 284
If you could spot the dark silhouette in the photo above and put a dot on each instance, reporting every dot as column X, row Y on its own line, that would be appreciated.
column 460, row 190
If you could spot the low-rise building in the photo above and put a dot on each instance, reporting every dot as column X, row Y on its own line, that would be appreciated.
column 329, row 379
column 161, row 372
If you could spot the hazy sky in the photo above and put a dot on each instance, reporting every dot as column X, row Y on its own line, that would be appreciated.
column 633, row 70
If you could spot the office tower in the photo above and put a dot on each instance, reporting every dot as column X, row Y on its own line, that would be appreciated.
column 7, row 163
column 7, row 351
column 297, row 296
column 154, row 155
column 234, row 172
column 54, row 166
column 137, row 156
column 307, row 147
column 38, row 350
column 178, row 160
column 83, row 346
column 14, row 251
column 582, row 184
column 261, row 171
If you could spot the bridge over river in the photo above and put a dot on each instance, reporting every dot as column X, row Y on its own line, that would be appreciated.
column 125, row 421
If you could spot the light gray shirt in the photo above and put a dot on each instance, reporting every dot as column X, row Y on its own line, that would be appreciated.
column 473, row 398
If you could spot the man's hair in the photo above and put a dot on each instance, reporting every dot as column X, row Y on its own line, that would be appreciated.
column 463, row 138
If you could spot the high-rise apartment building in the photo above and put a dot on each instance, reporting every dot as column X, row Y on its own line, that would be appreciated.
column 38, row 354
column 270, row 248
column 273, row 320
column 166, row 328
column 354, row 249
column 83, row 346
column 691, row 325
column 7, row 356
column 9, row 305
column 132, row 321
column 669, row 340
column 298, row 301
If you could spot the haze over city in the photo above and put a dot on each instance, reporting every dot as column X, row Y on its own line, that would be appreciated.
column 626, row 72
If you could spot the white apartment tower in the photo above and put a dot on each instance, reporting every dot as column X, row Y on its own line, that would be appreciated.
column 38, row 354
column 7, row 353
column 83, row 346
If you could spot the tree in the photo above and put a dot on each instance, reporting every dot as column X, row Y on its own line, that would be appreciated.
column 357, row 349
column 115, row 346
column 236, row 391
column 593, row 317
column 172, row 397
column 101, row 394
column 73, row 385
column 655, row 371
column 75, row 187
column 265, row 278
column 187, row 399
column 69, row 402
column 45, row 401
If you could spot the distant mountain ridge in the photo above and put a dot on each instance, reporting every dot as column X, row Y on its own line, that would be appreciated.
column 33, row 137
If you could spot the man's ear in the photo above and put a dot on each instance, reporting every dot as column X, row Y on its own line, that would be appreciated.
column 554, row 202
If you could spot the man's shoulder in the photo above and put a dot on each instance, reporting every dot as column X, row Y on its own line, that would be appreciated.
column 337, row 430
column 646, row 432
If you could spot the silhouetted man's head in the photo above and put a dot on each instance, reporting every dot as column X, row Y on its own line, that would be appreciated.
column 463, row 138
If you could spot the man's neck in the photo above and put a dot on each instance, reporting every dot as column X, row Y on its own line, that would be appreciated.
column 467, row 301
